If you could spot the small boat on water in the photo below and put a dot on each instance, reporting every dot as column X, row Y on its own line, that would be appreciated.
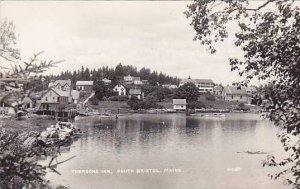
column 209, row 114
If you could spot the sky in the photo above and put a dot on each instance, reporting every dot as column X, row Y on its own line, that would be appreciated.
column 152, row 34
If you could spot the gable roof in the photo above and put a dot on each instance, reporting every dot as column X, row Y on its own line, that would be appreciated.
column 85, row 83
column 27, row 99
column 195, row 81
column 119, row 85
column 235, row 90
column 179, row 101
column 61, row 82
column 62, row 93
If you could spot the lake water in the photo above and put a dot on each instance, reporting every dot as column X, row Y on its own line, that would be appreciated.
column 173, row 150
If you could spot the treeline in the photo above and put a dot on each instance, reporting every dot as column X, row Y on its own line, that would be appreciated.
column 117, row 74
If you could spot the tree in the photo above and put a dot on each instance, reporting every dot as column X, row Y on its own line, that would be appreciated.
column 188, row 91
column 100, row 89
column 19, row 167
column 268, row 35
column 119, row 72
column 8, row 50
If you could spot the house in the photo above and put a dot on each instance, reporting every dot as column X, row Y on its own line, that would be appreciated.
column 27, row 103
column 53, row 99
column 252, row 90
column 204, row 85
column 136, row 92
column 84, row 85
column 128, row 80
column 75, row 96
column 218, row 90
column 120, row 90
column 169, row 86
column 4, row 110
column 137, row 81
column 179, row 104
column 145, row 82
column 235, row 93
column 106, row 81
column 64, row 85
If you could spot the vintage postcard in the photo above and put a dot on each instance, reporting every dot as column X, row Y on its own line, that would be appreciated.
column 197, row 94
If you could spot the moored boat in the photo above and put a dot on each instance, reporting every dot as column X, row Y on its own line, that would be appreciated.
column 209, row 114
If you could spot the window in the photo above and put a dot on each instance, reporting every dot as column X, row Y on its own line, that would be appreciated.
column 46, row 98
column 231, row 96
column 241, row 97
column 58, row 99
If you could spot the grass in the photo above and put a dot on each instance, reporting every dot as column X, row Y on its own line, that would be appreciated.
column 27, row 124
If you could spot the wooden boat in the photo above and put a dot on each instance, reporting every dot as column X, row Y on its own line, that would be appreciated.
column 209, row 114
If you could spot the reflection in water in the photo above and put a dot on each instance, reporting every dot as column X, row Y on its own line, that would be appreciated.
column 204, row 148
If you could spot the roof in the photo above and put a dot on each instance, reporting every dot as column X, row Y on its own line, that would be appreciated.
column 107, row 80
column 136, row 78
column 252, row 89
column 179, row 101
column 37, row 95
column 197, row 81
column 61, row 93
column 119, row 85
column 61, row 82
column 85, row 83
column 27, row 99
column 135, row 91
column 218, row 88
column 235, row 90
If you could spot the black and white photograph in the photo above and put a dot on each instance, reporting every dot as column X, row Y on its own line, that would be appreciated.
column 151, row 94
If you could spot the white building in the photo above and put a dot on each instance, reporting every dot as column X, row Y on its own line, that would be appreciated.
column 84, row 85
column 218, row 89
column 64, row 85
column 27, row 103
column 137, row 93
column 120, row 90
column 169, row 86
column 204, row 85
column 179, row 104
column 234, row 93
column 106, row 81
column 128, row 80
column 54, row 99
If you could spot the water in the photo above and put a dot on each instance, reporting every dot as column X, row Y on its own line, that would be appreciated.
column 182, row 152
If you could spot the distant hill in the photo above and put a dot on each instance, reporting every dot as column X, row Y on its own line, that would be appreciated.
column 116, row 75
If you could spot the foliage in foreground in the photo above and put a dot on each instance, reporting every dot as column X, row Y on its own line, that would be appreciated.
column 268, row 34
column 19, row 161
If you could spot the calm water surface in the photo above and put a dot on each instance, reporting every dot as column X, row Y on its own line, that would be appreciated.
column 202, row 150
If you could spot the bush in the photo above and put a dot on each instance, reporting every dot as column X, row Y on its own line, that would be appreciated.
column 242, row 105
column 210, row 97
column 118, row 98
column 151, row 98
column 94, row 101
column 195, row 105
column 18, row 162
column 19, row 165
column 139, row 104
